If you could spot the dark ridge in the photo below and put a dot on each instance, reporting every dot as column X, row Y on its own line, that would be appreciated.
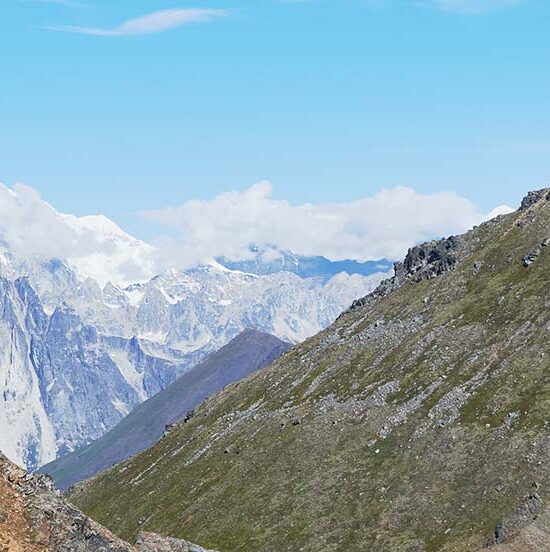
column 249, row 351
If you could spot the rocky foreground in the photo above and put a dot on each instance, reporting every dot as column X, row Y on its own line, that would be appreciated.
column 35, row 518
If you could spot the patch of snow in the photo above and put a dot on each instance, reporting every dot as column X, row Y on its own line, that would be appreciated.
column 497, row 211
column 155, row 337
column 120, row 406
column 135, row 296
column 128, row 372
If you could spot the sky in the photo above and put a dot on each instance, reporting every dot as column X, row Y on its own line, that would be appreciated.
column 136, row 108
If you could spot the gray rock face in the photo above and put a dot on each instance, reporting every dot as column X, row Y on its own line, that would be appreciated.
column 245, row 354
column 63, row 383
column 535, row 253
column 534, row 197
column 422, row 262
column 429, row 259
column 529, row 259
column 528, row 510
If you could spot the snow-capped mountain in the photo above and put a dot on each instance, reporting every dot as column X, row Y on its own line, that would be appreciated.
column 201, row 307
column 208, row 306
column 85, row 339
column 270, row 260
column 118, row 257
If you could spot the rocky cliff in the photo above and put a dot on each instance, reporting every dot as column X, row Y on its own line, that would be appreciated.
column 63, row 383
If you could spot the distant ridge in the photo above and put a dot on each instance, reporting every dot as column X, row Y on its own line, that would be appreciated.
column 271, row 261
column 246, row 353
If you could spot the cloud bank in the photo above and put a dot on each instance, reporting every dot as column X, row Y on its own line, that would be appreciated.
column 384, row 225
column 450, row 6
column 67, row 3
column 31, row 227
column 151, row 23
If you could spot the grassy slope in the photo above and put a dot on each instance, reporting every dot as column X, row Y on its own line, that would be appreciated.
column 406, row 439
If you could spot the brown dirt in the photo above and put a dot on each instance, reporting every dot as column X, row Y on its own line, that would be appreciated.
column 16, row 534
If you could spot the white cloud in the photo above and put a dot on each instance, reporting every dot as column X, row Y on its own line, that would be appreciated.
column 384, row 225
column 451, row 6
column 32, row 228
column 150, row 23
column 68, row 3
column 471, row 6
column 29, row 226
column 64, row 3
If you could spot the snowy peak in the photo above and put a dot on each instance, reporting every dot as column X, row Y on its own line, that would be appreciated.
column 97, row 248
column 117, row 256
column 99, row 224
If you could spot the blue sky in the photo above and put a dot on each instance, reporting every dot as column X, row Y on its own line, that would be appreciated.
column 328, row 100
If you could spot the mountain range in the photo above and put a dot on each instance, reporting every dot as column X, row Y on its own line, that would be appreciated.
column 417, row 421
column 270, row 260
column 82, row 344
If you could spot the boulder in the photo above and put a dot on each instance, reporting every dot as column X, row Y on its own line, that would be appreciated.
column 151, row 542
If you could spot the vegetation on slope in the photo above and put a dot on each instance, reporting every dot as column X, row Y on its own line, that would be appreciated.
column 418, row 421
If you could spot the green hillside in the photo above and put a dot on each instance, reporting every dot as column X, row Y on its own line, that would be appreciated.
column 419, row 421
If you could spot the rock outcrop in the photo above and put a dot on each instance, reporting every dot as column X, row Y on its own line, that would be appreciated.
column 422, row 262
column 34, row 518
column 151, row 542
column 534, row 197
